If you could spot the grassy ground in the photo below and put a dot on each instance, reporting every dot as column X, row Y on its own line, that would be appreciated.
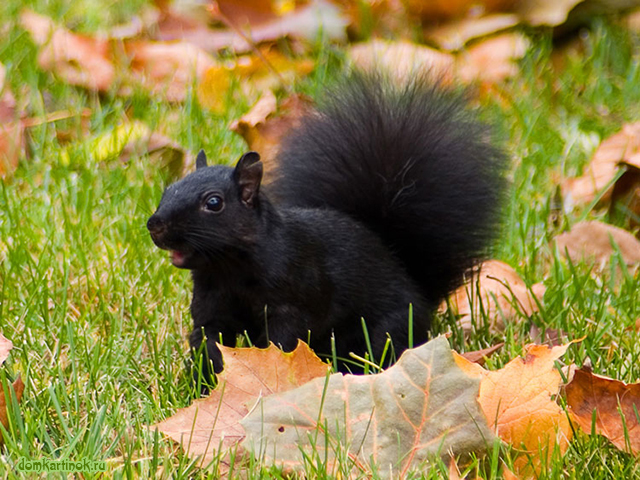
column 99, row 318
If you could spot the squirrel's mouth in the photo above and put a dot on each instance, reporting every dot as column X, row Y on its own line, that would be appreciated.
column 178, row 258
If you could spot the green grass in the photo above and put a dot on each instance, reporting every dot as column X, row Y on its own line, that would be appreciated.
column 99, row 318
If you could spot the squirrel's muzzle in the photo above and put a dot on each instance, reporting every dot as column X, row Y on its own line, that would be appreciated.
column 157, row 228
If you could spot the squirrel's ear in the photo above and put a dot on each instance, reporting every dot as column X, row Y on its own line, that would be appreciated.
column 201, row 160
column 248, row 175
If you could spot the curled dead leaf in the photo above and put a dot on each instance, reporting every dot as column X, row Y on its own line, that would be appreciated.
column 593, row 242
column 597, row 179
column 615, row 403
column 496, row 291
column 453, row 36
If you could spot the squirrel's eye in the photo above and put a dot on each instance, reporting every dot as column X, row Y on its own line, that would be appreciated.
column 214, row 203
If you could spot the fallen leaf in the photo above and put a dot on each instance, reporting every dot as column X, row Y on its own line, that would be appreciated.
column 5, row 348
column 423, row 406
column 168, row 69
column 546, row 12
column 518, row 401
column 497, row 292
column 479, row 356
column 211, row 424
column 593, row 241
column 11, row 130
column 18, row 388
column 452, row 36
column 434, row 10
column 259, row 72
column 492, row 60
column 550, row 336
column 616, row 405
column 77, row 59
column 305, row 22
column 597, row 179
column 403, row 59
column 263, row 131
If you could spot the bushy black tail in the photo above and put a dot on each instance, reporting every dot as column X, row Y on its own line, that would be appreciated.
column 412, row 162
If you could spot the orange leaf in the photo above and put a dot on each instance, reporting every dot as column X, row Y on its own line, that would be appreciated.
column 479, row 356
column 616, row 405
column 249, row 373
column 77, row 59
column 518, row 402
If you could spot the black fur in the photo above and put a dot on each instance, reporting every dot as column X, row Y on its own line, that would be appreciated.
column 384, row 197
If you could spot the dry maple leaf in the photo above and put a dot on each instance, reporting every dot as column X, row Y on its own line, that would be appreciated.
column 496, row 291
column 423, row 406
column 77, row 59
column 616, row 405
column 518, row 402
column 593, row 242
column 211, row 424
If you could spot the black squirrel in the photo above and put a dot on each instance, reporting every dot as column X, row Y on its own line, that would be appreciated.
column 384, row 196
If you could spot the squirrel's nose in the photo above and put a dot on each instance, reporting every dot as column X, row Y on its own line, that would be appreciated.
column 156, row 226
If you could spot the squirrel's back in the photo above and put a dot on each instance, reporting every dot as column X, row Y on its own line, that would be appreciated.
column 412, row 162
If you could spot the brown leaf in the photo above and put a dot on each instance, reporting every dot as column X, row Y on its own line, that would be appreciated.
column 493, row 60
column 264, row 131
column 423, row 406
column 503, row 297
column 592, row 242
column 18, row 387
column 403, row 59
column 479, row 356
column 597, row 177
column 452, row 36
column 550, row 337
column 249, row 373
column 616, row 406
column 518, row 401
column 168, row 69
column 77, row 59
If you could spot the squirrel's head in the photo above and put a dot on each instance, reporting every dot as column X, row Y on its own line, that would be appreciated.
column 210, row 214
